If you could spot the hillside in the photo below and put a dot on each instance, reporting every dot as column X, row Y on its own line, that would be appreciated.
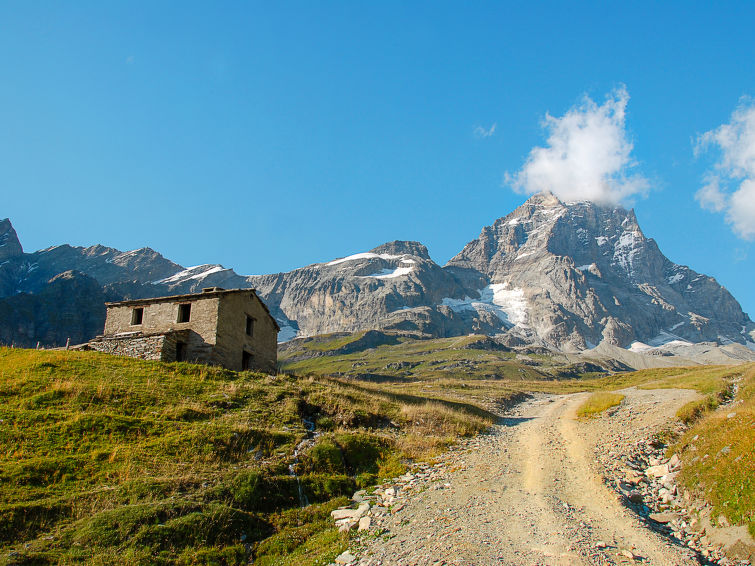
column 376, row 355
column 118, row 461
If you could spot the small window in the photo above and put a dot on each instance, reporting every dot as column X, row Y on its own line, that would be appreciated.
column 249, row 326
column 137, row 316
column 246, row 360
column 184, row 312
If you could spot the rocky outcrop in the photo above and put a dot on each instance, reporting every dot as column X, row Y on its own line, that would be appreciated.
column 586, row 274
column 9, row 244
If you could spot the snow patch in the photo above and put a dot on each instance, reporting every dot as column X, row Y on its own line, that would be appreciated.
column 390, row 273
column 626, row 251
column 509, row 305
column 601, row 240
column 677, row 325
column 664, row 339
column 521, row 255
column 365, row 255
column 195, row 272
column 675, row 278
column 585, row 267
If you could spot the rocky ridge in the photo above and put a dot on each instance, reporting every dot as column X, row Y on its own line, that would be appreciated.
column 566, row 276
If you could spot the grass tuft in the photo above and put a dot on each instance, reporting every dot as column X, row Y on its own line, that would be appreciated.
column 599, row 402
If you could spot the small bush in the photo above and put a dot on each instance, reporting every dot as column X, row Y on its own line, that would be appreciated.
column 324, row 457
column 227, row 556
column 215, row 524
column 258, row 492
column 361, row 452
column 26, row 520
column 321, row 487
column 116, row 526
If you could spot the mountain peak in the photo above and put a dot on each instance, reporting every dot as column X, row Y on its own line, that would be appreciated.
column 9, row 243
column 400, row 247
column 545, row 199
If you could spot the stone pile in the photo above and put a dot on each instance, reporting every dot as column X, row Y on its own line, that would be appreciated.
column 646, row 481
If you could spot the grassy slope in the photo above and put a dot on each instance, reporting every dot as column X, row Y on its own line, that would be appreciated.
column 459, row 357
column 718, row 453
column 111, row 460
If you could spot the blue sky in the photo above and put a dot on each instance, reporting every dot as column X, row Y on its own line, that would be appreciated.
column 269, row 136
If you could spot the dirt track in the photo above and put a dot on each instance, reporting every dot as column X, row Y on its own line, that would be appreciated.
column 530, row 493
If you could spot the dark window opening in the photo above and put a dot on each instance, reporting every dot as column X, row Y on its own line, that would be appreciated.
column 180, row 351
column 184, row 312
column 137, row 316
column 246, row 360
column 249, row 326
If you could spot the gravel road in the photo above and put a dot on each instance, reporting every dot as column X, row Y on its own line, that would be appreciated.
column 531, row 492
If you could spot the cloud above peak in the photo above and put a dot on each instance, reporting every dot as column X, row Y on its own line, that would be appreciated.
column 730, row 186
column 587, row 156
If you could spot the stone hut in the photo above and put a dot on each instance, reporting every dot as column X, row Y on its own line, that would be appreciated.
column 231, row 328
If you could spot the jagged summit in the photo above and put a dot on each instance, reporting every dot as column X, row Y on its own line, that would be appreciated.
column 567, row 275
column 10, row 246
column 586, row 274
column 399, row 247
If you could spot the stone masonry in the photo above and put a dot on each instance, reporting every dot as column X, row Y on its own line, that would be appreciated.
column 230, row 328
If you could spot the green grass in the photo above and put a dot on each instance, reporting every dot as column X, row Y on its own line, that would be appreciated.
column 108, row 460
column 464, row 357
column 718, row 455
column 599, row 402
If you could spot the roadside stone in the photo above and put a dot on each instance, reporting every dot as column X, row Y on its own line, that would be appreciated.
column 347, row 525
column 662, row 518
column 345, row 558
column 364, row 523
column 359, row 496
column 657, row 471
column 340, row 514
column 674, row 463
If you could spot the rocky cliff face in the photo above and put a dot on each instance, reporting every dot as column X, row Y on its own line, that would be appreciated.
column 70, row 306
column 583, row 274
column 565, row 275
column 9, row 244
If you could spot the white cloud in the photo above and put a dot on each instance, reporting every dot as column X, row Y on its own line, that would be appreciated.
column 730, row 188
column 711, row 197
column 587, row 157
column 481, row 132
